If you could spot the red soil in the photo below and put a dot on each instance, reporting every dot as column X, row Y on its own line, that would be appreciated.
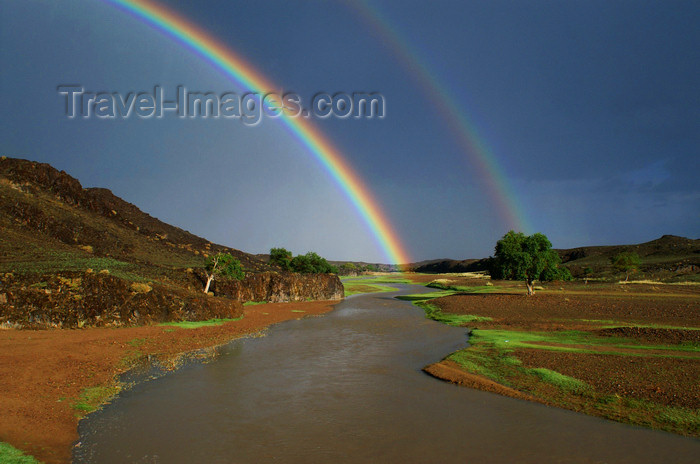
column 42, row 373
column 575, row 311
column 669, row 381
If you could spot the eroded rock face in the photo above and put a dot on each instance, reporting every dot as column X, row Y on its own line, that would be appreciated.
column 277, row 287
column 87, row 299
column 78, row 299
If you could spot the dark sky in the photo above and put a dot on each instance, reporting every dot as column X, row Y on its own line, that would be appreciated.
column 590, row 110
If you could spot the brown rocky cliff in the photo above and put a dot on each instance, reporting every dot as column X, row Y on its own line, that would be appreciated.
column 77, row 299
column 280, row 287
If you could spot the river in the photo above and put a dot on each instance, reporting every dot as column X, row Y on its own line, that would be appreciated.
column 348, row 388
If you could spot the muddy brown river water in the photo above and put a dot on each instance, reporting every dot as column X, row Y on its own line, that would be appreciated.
column 348, row 388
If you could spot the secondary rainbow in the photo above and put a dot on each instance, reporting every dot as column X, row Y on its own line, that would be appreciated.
column 462, row 128
column 243, row 73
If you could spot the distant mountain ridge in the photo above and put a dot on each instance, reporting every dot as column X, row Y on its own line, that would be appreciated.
column 669, row 253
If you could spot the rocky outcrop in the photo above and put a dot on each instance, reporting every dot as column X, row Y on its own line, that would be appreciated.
column 78, row 299
column 53, row 231
column 281, row 287
column 98, row 299
column 88, row 216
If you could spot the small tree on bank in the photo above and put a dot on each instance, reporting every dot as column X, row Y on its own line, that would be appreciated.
column 223, row 265
column 626, row 262
column 528, row 258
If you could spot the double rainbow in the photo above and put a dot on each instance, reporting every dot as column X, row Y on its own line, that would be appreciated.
column 243, row 73
column 463, row 130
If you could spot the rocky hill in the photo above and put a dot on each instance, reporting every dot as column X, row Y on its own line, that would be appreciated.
column 666, row 257
column 71, row 256
column 669, row 257
column 439, row 266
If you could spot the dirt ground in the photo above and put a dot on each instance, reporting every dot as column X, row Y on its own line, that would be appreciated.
column 546, row 311
column 668, row 381
column 42, row 373
column 665, row 377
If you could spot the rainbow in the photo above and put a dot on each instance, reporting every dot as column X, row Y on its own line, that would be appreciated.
column 462, row 128
column 244, row 74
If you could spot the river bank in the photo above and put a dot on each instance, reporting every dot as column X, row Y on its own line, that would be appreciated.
column 629, row 353
column 348, row 388
column 51, row 378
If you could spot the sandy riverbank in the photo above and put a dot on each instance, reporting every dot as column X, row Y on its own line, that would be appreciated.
column 44, row 373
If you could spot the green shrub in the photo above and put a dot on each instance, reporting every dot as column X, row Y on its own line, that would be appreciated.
column 282, row 257
column 11, row 455
column 312, row 263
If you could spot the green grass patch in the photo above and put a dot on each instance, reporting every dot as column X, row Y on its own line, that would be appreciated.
column 676, row 418
column 392, row 280
column 512, row 339
column 356, row 288
column 485, row 361
column 298, row 311
column 642, row 412
column 433, row 312
column 11, row 455
column 446, row 291
column 562, row 381
column 416, row 297
column 463, row 288
column 500, row 366
column 610, row 324
column 91, row 398
column 56, row 261
column 198, row 324
column 253, row 303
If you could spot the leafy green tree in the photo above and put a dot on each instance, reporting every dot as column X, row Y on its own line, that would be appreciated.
column 626, row 262
column 282, row 257
column 320, row 265
column 312, row 263
column 302, row 264
column 528, row 258
column 223, row 265
column 552, row 273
